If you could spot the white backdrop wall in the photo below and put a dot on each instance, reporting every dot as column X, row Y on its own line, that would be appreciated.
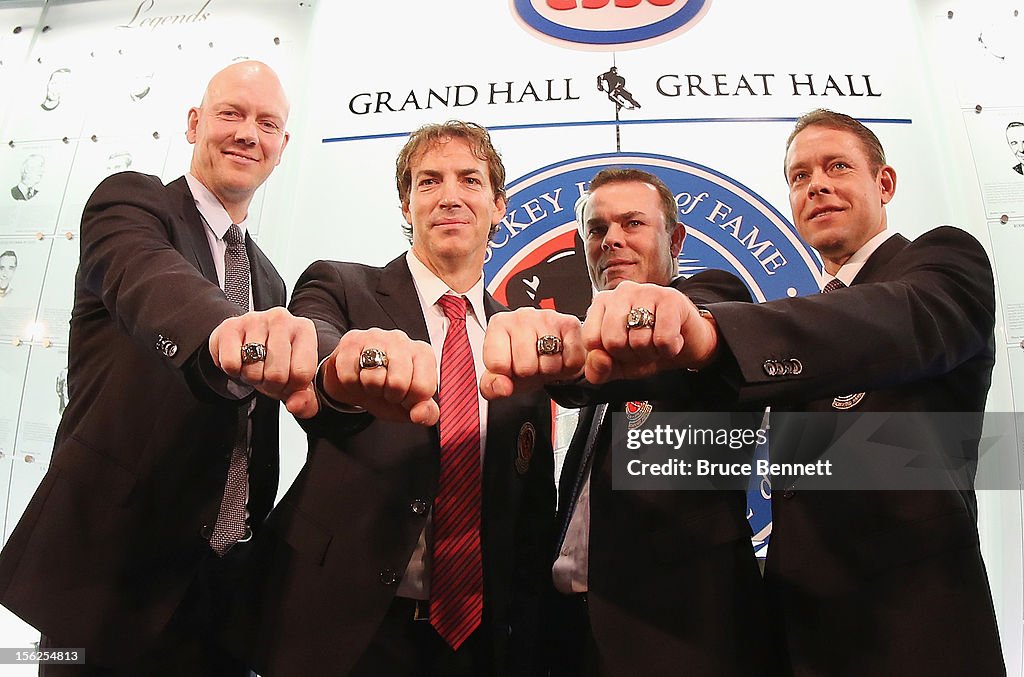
column 916, row 70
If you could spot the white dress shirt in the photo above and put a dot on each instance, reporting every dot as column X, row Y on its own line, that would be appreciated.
column 847, row 273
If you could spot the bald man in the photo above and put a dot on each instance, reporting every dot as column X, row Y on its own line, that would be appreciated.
column 166, row 457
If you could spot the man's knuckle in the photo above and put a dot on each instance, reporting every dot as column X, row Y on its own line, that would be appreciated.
column 522, row 370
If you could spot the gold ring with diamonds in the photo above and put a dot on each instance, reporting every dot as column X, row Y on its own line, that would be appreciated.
column 373, row 358
column 640, row 318
column 253, row 352
column 549, row 345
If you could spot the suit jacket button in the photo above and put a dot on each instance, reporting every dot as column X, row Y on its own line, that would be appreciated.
column 795, row 367
column 389, row 577
column 771, row 367
column 788, row 493
column 418, row 506
column 166, row 346
column 206, row 531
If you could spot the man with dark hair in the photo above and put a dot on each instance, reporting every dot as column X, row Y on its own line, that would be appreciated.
column 479, row 142
column 651, row 582
column 405, row 548
column 8, row 265
column 166, row 456
column 1015, row 140
column 869, row 581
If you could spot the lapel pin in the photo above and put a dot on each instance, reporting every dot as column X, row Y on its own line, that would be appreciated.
column 637, row 413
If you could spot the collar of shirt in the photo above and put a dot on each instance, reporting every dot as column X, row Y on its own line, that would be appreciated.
column 429, row 288
column 847, row 273
column 213, row 212
column 217, row 223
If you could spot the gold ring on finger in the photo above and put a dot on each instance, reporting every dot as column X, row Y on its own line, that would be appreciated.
column 640, row 318
column 253, row 352
column 373, row 358
column 549, row 345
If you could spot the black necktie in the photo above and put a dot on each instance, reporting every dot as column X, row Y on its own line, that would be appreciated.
column 832, row 285
column 230, row 526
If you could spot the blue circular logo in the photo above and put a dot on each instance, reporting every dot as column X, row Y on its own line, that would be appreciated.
column 536, row 258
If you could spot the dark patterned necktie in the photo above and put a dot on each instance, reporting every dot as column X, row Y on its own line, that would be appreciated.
column 456, row 588
column 833, row 284
column 231, row 520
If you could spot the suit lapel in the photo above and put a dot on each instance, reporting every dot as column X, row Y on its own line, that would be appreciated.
column 265, row 293
column 193, row 230
column 800, row 444
column 876, row 263
column 491, row 306
column 573, row 459
column 396, row 293
column 585, row 438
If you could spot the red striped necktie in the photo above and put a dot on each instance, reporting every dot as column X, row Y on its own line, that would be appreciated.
column 456, row 588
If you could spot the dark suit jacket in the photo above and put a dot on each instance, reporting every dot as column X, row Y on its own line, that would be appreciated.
column 878, row 582
column 674, row 587
column 112, row 537
column 17, row 194
column 326, row 569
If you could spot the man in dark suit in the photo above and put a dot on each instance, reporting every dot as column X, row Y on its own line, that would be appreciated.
column 652, row 582
column 355, row 573
column 860, row 582
column 126, row 549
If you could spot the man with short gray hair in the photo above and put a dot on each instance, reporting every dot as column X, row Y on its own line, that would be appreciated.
column 166, row 458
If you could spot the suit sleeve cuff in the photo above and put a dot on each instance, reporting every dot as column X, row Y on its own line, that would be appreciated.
column 207, row 382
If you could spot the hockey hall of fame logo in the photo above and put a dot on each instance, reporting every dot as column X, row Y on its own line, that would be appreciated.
column 537, row 256
column 607, row 24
